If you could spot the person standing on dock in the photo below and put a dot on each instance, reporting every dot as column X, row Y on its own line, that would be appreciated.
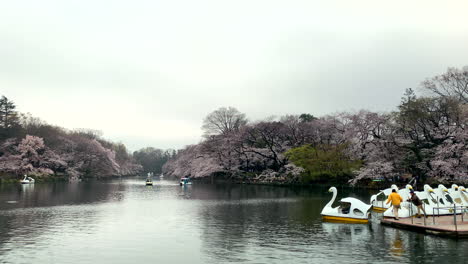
column 396, row 200
column 417, row 202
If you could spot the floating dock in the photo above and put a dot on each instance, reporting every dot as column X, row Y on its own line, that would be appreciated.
column 446, row 225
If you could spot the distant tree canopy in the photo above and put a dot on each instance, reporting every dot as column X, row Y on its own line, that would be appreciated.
column 152, row 159
column 223, row 121
column 307, row 117
column 425, row 138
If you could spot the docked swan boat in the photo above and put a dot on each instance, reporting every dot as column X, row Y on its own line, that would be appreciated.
column 463, row 194
column 405, row 192
column 445, row 199
column 378, row 200
column 430, row 202
column 27, row 180
column 458, row 195
column 351, row 210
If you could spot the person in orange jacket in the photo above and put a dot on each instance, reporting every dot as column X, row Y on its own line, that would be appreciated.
column 396, row 199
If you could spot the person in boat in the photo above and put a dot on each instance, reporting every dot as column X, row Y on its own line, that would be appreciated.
column 396, row 200
column 417, row 202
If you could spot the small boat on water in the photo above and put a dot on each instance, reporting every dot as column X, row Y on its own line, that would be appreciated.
column 185, row 181
column 149, row 182
column 351, row 210
column 148, row 179
column 27, row 180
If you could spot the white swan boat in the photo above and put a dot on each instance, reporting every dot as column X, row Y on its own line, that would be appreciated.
column 445, row 199
column 351, row 210
column 431, row 202
column 407, row 209
column 463, row 195
column 27, row 180
column 432, row 199
column 456, row 194
column 378, row 200
column 405, row 192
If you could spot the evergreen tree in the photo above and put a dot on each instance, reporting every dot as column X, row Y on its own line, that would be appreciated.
column 9, row 119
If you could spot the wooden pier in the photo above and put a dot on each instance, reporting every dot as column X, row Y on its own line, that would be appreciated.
column 438, row 225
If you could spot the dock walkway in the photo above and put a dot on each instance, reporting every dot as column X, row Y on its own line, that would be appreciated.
column 438, row 225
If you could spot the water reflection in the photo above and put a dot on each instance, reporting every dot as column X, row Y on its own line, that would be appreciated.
column 31, row 214
column 43, row 195
column 126, row 221
column 396, row 249
column 264, row 230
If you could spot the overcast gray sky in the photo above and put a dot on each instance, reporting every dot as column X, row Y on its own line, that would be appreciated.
column 146, row 73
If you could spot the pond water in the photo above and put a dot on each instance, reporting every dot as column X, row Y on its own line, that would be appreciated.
column 124, row 221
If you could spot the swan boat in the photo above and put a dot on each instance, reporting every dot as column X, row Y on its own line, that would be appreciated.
column 351, row 210
column 431, row 201
column 463, row 195
column 27, row 180
column 378, row 200
column 443, row 195
column 459, row 195
column 407, row 209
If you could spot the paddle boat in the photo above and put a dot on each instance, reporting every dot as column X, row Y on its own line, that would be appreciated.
column 453, row 189
column 351, row 210
column 431, row 202
column 378, row 200
column 443, row 195
column 27, row 180
column 407, row 209
column 185, row 181
column 457, row 195
column 463, row 195
column 405, row 192
column 149, row 182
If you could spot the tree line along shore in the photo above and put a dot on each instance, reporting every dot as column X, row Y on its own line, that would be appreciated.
column 424, row 139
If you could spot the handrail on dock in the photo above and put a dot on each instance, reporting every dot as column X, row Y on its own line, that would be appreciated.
column 460, row 209
column 456, row 209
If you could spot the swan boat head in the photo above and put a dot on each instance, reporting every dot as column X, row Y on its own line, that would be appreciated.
column 442, row 188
